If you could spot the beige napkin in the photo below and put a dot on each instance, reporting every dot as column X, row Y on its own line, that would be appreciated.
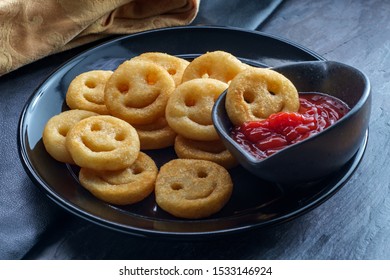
column 30, row 30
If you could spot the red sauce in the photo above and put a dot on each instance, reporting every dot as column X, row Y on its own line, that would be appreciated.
column 263, row 138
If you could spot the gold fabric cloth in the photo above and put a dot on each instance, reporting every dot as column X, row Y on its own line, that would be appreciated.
column 30, row 30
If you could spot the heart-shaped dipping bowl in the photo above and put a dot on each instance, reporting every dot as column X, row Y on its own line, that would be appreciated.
column 323, row 153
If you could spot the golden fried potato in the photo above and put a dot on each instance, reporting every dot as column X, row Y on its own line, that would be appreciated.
column 138, row 92
column 86, row 91
column 192, row 189
column 188, row 111
column 56, row 129
column 103, row 143
column 257, row 93
column 156, row 135
column 218, row 65
column 124, row 186
column 173, row 64
column 213, row 151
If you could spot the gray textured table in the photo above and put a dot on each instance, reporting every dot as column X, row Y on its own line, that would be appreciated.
column 353, row 224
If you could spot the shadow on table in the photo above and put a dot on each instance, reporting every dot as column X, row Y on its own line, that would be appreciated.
column 83, row 240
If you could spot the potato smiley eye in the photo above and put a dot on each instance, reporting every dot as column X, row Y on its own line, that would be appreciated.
column 96, row 127
column 190, row 101
column 172, row 72
column 123, row 87
column 248, row 97
column 90, row 84
column 202, row 174
column 176, row 186
column 63, row 130
column 151, row 78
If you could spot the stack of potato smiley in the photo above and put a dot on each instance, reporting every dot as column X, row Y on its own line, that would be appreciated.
column 151, row 101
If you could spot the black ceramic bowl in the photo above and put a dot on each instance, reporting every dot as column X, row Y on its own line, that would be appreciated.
column 323, row 153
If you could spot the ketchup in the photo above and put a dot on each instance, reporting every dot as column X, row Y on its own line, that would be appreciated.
column 263, row 138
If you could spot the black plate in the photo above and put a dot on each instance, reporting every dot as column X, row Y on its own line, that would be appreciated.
column 254, row 203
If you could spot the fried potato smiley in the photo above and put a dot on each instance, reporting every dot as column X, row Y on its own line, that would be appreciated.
column 257, row 93
column 213, row 151
column 86, row 91
column 219, row 65
column 174, row 65
column 192, row 189
column 124, row 186
column 189, row 108
column 138, row 92
column 103, row 143
column 56, row 130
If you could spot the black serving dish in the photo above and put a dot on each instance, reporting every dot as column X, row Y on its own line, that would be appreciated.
column 255, row 203
column 323, row 153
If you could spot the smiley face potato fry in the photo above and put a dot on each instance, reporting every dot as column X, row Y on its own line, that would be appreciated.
column 103, row 143
column 218, row 65
column 188, row 111
column 192, row 189
column 256, row 93
column 56, row 130
column 174, row 65
column 138, row 92
column 86, row 91
column 124, row 186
